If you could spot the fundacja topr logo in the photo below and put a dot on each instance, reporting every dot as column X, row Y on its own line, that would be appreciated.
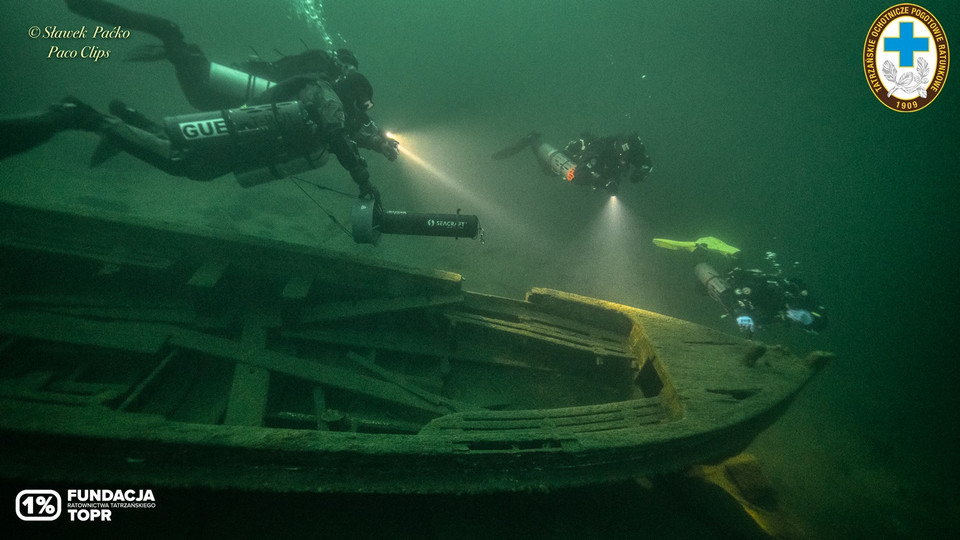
column 906, row 58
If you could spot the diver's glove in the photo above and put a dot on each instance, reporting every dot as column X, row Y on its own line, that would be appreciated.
column 640, row 173
column 801, row 316
column 361, row 176
column 367, row 191
column 746, row 324
column 612, row 187
column 388, row 147
column 370, row 136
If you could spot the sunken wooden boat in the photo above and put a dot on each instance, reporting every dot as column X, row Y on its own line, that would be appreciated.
column 148, row 354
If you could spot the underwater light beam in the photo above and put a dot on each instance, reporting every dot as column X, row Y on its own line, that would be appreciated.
column 422, row 163
column 612, row 242
column 490, row 209
column 447, row 180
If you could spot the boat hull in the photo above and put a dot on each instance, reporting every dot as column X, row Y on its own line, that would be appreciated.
column 142, row 353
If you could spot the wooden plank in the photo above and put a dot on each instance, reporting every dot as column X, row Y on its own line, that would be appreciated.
column 294, row 295
column 41, row 386
column 248, row 396
column 251, row 384
column 527, row 311
column 601, row 417
column 375, row 306
column 51, row 327
column 61, row 398
column 581, row 308
column 206, row 294
column 63, row 230
column 320, row 407
column 400, row 381
column 160, row 315
column 33, row 380
column 546, row 333
column 309, row 370
column 208, row 275
column 85, row 388
column 106, row 305
column 149, row 338
column 102, row 299
column 404, row 343
column 616, row 420
column 86, row 246
column 135, row 394
column 297, row 287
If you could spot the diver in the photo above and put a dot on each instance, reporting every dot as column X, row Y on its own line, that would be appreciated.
column 258, row 143
column 259, row 130
column 211, row 86
column 755, row 298
column 599, row 162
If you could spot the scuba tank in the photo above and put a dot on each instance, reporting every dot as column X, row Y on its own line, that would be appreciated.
column 228, row 81
column 255, row 77
column 262, row 143
column 555, row 162
column 716, row 286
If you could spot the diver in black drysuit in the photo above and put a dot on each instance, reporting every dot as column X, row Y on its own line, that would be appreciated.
column 318, row 107
column 755, row 298
column 257, row 143
column 211, row 86
column 599, row 162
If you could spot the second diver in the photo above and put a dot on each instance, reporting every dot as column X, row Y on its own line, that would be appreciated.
column 600, row 162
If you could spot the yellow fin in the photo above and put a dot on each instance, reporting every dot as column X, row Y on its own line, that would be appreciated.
column 708, row 243
column 717, row 246
column 674, row 244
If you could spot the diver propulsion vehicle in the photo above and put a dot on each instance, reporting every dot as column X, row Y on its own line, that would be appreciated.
column 369, row 220
column 147, row 353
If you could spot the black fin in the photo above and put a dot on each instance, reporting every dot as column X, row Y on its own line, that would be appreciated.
column 104, row 151
column 135, row 118
column 109, row 13
column 517, row 147
column 147, row 53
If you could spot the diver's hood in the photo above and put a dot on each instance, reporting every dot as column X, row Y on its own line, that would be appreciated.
column 354, row 88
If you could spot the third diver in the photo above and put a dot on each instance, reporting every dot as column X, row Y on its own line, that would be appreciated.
column 599, row 162
column 755, row 298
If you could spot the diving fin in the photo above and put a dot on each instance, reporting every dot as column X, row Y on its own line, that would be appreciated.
column 675, row 245
column 21, row 133
column 527, row 142
column 106, row 12
column 104, row 151
column 147, row 53
column 708, row 243
column 135, row 118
